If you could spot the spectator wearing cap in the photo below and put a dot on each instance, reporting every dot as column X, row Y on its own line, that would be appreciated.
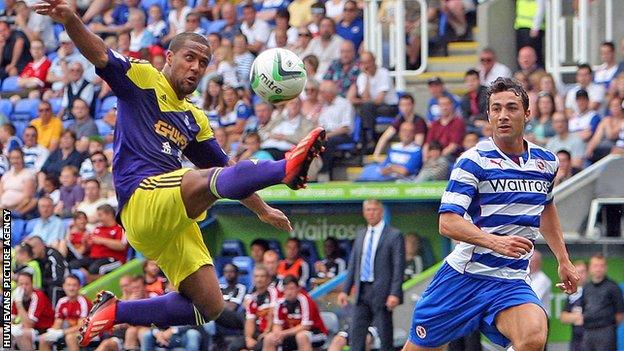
column 300, row 13
column 584, row 80
column 373, row 94
column 345, row 70
column 326, row 46
column 318, row 13
column 256, row 30
column 15, row 51
column 437, row 90
column 448, row 130
column 59, row 70
column 35, row 72
column 34, row 25
column 474, row 103
column 489, row 68
column 584, row 122
column 18, row 186
column 563, row 140
column 351, row 27
column 34, row 154
column 285, row 130
column 282, row 23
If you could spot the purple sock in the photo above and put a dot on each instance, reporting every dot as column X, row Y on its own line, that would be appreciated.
column 163, row 311
column 245, row 178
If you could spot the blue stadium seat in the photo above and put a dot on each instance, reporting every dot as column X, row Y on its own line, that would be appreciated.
column 56, row 105
column 220, row 262
column 103, row 128
column 245, row 266
column 355, row 136
column 308, row 252
column 276, row 246
column 384, row 119
column 25, row 110
column 17, row 230
column 233, row 248
column 20, row 127
column 58, row 29
column 52, row 56
column 107, row 104
column 145, row 4
column 30, row 225
column 67, row 123
column 345, row 248
column 9, row 84
column 6, row 107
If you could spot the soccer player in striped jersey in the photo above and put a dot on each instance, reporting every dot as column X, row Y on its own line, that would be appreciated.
column 497, row 202
column 160, row 202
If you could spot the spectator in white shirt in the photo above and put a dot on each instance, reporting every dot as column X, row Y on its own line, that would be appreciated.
column 256, row 30
column 584, row 81
column 540, row 283
column 34, row 154
column 155, row 23
column 336, row 117
column 606, row 71
column 282, row 18
column 177, row 18
column 285, row 130
column 585, row 122
column 140, row 37
column 490, row 68
column 326, row 46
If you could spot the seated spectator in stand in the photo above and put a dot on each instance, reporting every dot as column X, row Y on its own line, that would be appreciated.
column 332, row 264
column 312, row 105
column 8, row 139
column 564, row 172
column 326, row 46
column 156, row 25
column 255, row 29
column 102, row 174
column 564, row 140
column 35, row 26
column 539, row 129
column 116, row 21
column 547, row 83
column 285, row 130
column 437, row 90
column 317, row 10
column 92, row 201
column 243, row 59
column 25, row 262
column 18, row 187
column 418, row 256
column 336, row 116
column 293, row 264
column 606, row 71
column 140, row 37
column 35, row 72
column 34, row 154
column 250, row 149
column 31, row 313
column 527, row 61
column 51, row 188
column 303, row 40
column 155, row 282
column 344, row 71
column 69, row 314
column 228, row 25
column 469, row 141
column 235, row 114
column 75, row 244
column 351, row 27
column 193, row 24
column 584, row 122
column 53, row 266
column 78, row 87
column 474, row 103
column 489, row 68
column 436, row 166
column 595, row 92
column 72, row 193
column 65, row 155
column 403, row 161
column 373, row 95
column 606, row 134
column 107, row 247
column 448, row 130
column 282, row 19
column 259, row 306
column 212, row 100
column 15, row 51
column 270, row 261
column 58, row 72
column 49, row 127
column 234, row 293
column 257, row 249
column 297, row 323
column 84, row 126
column 86, row 168
column 301, row 13
column 48, row 226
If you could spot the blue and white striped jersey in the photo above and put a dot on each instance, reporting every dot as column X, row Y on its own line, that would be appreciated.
column 501, row 197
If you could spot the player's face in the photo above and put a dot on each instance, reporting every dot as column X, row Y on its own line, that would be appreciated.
column 292, row 249
column 373, row 213
column 188, row 65
column 507, row 116
column 291, row 291
column 70, row 287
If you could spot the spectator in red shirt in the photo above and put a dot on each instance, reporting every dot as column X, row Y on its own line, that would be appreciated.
column 297, row 323
column 31, row 312
column 75, row 244
column 107, row 244
column 35, row 72
column 448, row 130
column 294, row 264
column 259, row 312
column 68, row 316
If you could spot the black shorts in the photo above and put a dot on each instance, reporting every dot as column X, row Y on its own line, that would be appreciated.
column 96, row 265
column 315, row 336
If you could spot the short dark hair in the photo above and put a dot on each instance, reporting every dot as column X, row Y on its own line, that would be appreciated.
column 565, row 152
column 260, row 242
column 407, row 96
column 26, row 248
column 231, row 265
column 290, row 279
column 33, row 128
column 179, row 41
column 25, row 274
column 472, row 72
column 108, row 209
column 508, row 84
column 73, row 276
column 295, row 240
column 54, row 180
column 249, row 5
column 283, row 13
column 99, row 153
column 598, row 256
column 92, row 180
column 435, row 145
column 584, row 66
column 608, row 44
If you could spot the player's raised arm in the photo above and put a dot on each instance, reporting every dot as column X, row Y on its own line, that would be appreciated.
column 89, row 44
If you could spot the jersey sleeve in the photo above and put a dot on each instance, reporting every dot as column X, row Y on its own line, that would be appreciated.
column 124, row 74
column 462, row 185
column 206, row 154
column 250, row 308
column 550, row 196
column 305, row 311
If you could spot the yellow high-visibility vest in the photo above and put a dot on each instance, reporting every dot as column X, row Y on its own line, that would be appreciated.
column 525, row 11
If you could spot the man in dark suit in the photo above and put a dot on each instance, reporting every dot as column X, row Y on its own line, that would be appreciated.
column 376, row 268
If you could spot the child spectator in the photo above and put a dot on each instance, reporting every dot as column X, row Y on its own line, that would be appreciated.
column 75, row 244
column 92, row 201
column 71, row 192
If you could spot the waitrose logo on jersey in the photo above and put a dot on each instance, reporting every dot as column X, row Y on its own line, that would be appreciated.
column 320, row 229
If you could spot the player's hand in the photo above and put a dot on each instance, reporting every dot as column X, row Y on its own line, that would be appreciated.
column 250, row 342
column 59, row 10
column 392, row 302
column 512, row 245
column 276, row 218
column 343, row 299
column 568, row 276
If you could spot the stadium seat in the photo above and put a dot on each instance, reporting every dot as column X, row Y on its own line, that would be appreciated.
column 107, row 104
column 30, row 225
column 67, row 123
column 58, row 29
column 309, row 253
column 6, row 107
column 56, row 105
column 20, row 127
column 233, row 248
column 52, row 56
column 145, row 4
column 9, row 84
column 25, row 110
column 17, row 230
column 245, row 266
column 103, row 128
column 345, row 246
column 330, row 319
column 276, row 246
column 355, row 136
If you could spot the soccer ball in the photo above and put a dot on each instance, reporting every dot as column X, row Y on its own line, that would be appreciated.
column 277, row 75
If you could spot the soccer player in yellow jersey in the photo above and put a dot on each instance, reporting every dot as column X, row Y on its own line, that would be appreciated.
column 159, row 201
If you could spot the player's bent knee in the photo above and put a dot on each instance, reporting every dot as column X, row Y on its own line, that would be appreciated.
column 211, row 311
column 532, row 338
